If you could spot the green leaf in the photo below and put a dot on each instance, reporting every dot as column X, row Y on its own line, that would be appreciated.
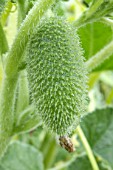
column 1, row 168
column 98, row 128
column 82, row 163
column 94, row 37
column 20, row 156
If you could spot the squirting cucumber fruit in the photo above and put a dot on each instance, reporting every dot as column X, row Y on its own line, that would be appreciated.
column 57, row 75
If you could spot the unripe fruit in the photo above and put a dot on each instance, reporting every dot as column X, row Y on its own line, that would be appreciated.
column 57, row 75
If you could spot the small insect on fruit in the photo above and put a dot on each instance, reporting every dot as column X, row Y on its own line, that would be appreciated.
column 65, row 142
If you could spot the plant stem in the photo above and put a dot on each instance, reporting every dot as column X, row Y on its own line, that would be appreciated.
column 99, row 58
column 88, row 148
column 23, row 94
column 25, row 31
column 6, row 111
column 3, row 41
column 45, row 144
column 11, row 71
column 21, row 11
column 88, row 16
column 51, row 153
column 93, row 8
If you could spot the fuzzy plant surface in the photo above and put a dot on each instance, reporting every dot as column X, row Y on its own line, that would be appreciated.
column 57, row 75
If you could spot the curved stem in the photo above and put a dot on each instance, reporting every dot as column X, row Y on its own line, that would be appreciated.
column 25, row 30
column 88, row 148
column 3, row 41
column 90, row 15
column 99, row 58
column 11, row 71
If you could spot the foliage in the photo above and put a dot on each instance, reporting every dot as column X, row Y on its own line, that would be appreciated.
column 24, row 144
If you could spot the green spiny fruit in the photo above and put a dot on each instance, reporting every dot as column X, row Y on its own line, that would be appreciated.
column 57, row 75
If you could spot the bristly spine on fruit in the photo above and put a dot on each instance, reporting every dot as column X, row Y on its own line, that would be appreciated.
column 57, row 75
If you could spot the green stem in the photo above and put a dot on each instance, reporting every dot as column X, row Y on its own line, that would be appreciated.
column 88, row 15
column 45, row 144
column 48, row 148
column 6, row 111
column 25, row 31
column 93, row 8
column 3, row 41
column 51, row 154
column 11, row 71
column 100, row 57
column 88, row 148
column 23, row 94
column 21, row 11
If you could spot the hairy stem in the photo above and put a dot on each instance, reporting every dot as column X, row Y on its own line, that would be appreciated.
column 23, row 94
column 3, row 41
column 21, row 11
column 88, row 148
column 88, row 15
column 25, row 31
column 6, row 111
column 11, row 71
column 100, row 57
